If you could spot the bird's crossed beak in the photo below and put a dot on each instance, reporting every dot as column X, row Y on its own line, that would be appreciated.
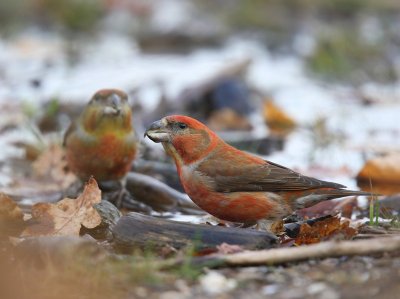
column 158, row 131
column 114, row 105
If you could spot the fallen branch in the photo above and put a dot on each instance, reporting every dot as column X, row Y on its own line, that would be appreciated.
column 292, row 254
column 158, row 195
column 137, row 230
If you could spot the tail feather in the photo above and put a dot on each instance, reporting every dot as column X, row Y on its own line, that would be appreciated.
column 321, row 195
column 342, row 193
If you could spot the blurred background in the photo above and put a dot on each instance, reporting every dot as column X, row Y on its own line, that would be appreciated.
column 310, row 84
column 313, row 85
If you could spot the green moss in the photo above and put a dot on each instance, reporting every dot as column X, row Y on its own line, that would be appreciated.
column 187, row 270
column 74, row 15
column 13, row 15
column 53, row 107
column 344, row 56
column 346, row 8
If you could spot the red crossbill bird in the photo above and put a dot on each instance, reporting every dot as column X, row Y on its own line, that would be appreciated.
column 102, row 142
column 234, row 185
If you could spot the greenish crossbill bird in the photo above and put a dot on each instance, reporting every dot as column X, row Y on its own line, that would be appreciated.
column 102, row 142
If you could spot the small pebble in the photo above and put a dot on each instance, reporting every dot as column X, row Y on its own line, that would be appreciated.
column 316, row 288
column 215, row 283
column 270, row 289
column 173, row 295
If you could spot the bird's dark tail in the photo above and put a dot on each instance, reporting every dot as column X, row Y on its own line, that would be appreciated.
column 342, row 192
column 319, row 195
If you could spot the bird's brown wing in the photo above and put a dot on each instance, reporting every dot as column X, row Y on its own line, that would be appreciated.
column 269, row 177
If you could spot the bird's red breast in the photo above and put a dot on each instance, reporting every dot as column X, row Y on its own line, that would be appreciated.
column 106, row 158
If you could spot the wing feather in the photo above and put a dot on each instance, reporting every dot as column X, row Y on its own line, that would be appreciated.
column 246, row 176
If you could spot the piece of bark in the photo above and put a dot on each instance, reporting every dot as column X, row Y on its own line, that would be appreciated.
column 285, row 255
column 158, row 195
column 137, row 230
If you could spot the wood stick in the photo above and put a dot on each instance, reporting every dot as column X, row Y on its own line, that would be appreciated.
column 158, row 195
column 291, row 254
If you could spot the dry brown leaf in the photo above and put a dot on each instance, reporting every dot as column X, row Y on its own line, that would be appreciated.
column 48, row 177
column 226, row 248
column 66, row 216
column 9, row 210
column 52, row 165
column 277, row 227
column 323, row 230
column 277, row 120
column 223, row 248
column 381, row 170
column 11, row 217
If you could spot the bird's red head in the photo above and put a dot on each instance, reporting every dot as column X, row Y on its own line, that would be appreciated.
column 184, row 138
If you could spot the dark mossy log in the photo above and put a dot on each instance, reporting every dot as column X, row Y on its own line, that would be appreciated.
column 137, row 230
column 158, row 195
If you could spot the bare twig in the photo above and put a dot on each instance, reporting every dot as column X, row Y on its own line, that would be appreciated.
column 284, row 255
column 158, row 195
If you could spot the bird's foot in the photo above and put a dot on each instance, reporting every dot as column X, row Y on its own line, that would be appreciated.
column 116, row 193
column 120, row 197
column 274, row 226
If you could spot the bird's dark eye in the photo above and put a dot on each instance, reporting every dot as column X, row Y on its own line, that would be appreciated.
column 182, row 126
